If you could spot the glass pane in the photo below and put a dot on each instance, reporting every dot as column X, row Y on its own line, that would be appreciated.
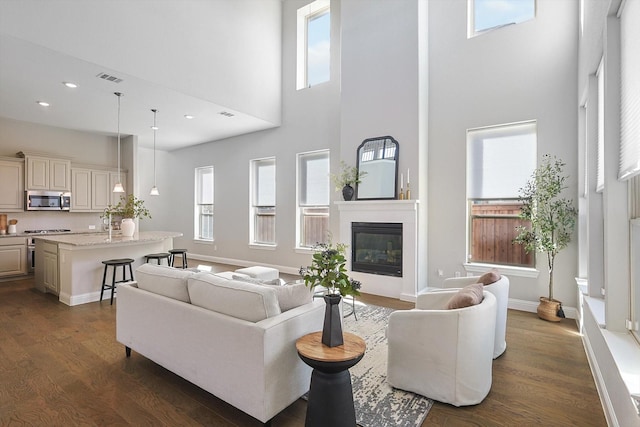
column 318, row 48
column 494, row 13
column 266, row 183
column 315, row 226
column 314, row 179
column 493, row 228
column 499, row 152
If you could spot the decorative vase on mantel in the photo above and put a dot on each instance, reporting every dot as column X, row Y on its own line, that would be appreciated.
column 332, row 328
column 347, row 192
column 128, row 227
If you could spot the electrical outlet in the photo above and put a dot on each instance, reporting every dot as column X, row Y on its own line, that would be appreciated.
column 440, row 273
column 92, row 227
column 456, row 274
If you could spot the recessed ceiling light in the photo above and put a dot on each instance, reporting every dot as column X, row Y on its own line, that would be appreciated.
column 188, row 116
column 43, row 104
column 70, row 85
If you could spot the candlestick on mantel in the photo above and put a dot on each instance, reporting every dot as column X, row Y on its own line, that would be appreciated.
column 401, row 180
column 407, row 177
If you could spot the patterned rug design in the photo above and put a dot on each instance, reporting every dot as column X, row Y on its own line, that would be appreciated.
column 377, row 404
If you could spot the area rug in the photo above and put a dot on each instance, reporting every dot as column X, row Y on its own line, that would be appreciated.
column 378, row 404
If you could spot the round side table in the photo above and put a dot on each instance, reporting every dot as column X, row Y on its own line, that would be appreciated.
column 330, row 394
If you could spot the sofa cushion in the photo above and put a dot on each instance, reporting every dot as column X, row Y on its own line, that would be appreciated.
column 489, row 277
column 237, row 299
column 163, row 280
column 466, row 297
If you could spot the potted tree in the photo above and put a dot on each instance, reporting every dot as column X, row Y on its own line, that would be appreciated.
column 552, row 220
column 328, row 270
column 348, row 177
column 128, row 208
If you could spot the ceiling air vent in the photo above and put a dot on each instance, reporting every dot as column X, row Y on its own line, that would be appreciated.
column 226, row 114
column 109, row 77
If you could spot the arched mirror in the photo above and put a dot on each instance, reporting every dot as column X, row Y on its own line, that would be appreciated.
column 378, row 157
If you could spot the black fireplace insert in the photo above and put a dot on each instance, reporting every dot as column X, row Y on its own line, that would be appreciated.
column 376, row 248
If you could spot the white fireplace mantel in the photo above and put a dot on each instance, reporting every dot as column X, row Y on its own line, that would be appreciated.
column 393, row 211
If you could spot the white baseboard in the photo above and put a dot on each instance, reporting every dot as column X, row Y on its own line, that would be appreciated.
column 532, row 307
column 607, row 406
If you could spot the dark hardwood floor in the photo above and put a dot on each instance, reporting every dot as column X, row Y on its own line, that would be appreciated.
column 61, row 366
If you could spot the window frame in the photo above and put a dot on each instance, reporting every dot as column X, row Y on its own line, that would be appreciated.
column 306, row 210
column 198, row 206
column 304, row 15
column 257, row 209
column 476, row 136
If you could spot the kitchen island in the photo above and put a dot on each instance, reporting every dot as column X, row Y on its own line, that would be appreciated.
column 70, row 265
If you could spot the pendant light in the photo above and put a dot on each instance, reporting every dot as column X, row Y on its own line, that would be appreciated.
column 154, row 190
column 118, row 188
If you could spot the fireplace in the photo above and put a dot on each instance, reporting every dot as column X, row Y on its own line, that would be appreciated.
column 376, row 248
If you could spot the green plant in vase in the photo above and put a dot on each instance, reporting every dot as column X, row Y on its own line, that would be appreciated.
column 346, row 179
column 328, row 270
column 128, row 208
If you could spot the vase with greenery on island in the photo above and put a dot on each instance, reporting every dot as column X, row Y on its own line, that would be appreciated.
column 128, row 209
column 552, row 219
column 346, row 179
column 328, row 271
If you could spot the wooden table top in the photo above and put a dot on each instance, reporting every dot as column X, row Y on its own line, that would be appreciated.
column 311, row 346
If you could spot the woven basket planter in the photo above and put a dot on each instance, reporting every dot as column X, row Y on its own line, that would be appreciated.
column 548, row 309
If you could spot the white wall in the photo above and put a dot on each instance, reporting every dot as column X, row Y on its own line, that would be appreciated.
column 520, row 72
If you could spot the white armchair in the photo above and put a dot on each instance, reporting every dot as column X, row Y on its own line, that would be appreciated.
column 442, row 354
column 500, row 290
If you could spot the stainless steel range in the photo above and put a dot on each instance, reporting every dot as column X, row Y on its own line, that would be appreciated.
column 31, row 245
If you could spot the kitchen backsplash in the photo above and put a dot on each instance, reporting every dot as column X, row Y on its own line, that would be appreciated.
column 76, row 221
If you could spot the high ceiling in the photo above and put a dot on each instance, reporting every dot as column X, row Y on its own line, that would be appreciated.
column 217, row 60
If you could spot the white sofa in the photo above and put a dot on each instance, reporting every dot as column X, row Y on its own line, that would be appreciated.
column 500, row 290
column 446, row 355
column 227, row 337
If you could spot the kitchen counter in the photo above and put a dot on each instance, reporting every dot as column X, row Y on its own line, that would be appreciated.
column 70, row 265
column 102, row 239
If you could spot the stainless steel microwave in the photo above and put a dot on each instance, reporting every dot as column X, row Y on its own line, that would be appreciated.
column 47, row 201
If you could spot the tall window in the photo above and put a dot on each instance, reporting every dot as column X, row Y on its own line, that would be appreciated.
column 313, row 198
column 263, row 201
column 314, row 44
column 203, row 227
column 486, row 15
column 500, row 160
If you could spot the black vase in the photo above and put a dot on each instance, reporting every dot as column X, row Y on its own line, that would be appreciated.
column 332, row 329
column 347, row 192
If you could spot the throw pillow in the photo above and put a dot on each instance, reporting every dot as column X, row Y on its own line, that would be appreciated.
column 490, row 277
column 466, row 297
column 289, row 296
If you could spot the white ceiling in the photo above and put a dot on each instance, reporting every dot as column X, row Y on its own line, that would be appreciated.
column 178, row 56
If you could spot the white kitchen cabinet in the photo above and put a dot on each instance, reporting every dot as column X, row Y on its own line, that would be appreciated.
column 13, row 256
column 50, row 261
column 12, row 185
column 92, row 189
column 81, row 190
column 44, row 173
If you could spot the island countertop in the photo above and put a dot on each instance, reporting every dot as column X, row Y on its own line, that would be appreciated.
column 102, row 239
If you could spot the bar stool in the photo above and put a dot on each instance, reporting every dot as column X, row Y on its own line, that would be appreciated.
column 159, row 257
column 115, row 263
column 174, row 252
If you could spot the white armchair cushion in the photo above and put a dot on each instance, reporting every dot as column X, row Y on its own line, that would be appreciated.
column 500, row 290
column 442, row 354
